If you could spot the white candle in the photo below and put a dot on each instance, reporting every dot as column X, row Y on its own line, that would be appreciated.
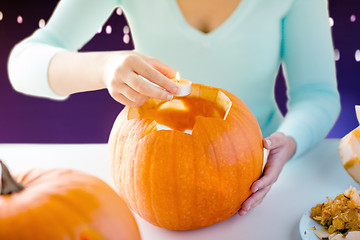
column 183, row 84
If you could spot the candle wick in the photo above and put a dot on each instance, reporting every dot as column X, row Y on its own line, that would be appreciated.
column 177, row 77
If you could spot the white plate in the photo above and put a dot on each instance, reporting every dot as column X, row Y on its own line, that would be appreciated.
column 306, row 225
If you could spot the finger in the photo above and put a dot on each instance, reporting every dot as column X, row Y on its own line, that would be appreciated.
column 145, row 88
column 254, row 200
column 270, row 175
column 275, row 140
column 122, row 99
column 148, row 72
column 133, row 95
column 242, row 212
column 261, row 199
column 163, row 68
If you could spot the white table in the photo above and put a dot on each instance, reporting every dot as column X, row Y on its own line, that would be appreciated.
column 302, row 183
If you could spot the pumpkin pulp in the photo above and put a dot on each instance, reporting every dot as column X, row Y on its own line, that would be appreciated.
column 184, row 118
column 181, row 113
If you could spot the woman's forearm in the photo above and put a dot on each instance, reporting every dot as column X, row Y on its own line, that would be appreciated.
column 73, row 72
column 118, row 71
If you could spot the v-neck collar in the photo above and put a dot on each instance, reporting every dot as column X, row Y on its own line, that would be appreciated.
column 212, row 34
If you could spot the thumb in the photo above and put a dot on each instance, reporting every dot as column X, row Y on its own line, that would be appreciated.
column 274, row 140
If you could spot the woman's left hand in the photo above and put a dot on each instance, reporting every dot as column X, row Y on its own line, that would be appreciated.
column 281, row 149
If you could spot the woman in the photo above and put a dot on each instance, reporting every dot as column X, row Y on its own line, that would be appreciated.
column 237, row 45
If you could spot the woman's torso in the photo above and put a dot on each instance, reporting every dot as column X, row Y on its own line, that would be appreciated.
column 207, row 15
column 240, row 53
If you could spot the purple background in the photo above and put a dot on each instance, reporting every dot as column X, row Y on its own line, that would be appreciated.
column 88, row 117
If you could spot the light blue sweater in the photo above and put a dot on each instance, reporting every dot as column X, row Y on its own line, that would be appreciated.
column 243, row 55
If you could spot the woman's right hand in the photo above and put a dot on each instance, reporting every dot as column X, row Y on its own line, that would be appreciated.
column 121, row 78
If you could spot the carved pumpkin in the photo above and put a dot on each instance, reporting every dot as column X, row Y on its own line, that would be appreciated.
column 196, row 172
column 62, row 204
column 349, row 149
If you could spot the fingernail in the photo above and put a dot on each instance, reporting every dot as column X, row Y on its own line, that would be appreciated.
column 169, row 97
column 268, row 142
column 255, row 190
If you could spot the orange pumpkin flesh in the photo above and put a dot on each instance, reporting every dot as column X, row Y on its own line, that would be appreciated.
column 181, row 115
column 183, row 181
column 64, row 204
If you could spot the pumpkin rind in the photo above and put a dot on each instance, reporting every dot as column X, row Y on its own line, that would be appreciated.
column 64, row 204
column 180, row 181
column 349, row 150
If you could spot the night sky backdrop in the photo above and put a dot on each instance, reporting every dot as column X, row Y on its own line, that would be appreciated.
column 88, row 117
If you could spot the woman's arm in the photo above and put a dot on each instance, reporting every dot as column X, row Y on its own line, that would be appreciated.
column 309, row 67
column 313, row 106
column 118, row 71
column 47, row 63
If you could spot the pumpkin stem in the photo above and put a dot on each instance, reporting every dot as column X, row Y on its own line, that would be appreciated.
column 8, row 184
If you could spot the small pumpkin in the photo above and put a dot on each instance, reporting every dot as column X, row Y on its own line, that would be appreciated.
column 62, row 204
column 196, row 172
column 349, row 150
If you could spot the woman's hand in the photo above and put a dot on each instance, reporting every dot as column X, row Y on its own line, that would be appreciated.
column 281, row 149
column 118, row 71
column 121, row 78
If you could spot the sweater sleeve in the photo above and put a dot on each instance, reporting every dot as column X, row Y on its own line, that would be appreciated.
column 72, row 24
column 309, row 69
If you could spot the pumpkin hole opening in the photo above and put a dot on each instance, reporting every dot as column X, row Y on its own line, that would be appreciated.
column 181, row 113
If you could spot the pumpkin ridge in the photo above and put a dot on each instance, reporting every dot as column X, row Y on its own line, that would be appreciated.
column 261, row 157
column 248, row 146
column 30, row 178
column 114, row 134
column 33, row 217
column 118, row 182
column 61, row 215
column 134, row 199
column 135, row 161
column 151, row 171
column 217, row 166
column 202, row 126
column 121, row 166
column 118, row 149
column 143, row 178
column 175, row 176
column 186, row 180
column 114, row 139
column 135, row 177
column 196, row 169
column 245, row 141
column 30, row 218
column 114, row 164
column 229, row 142
column 237, row 159
column 245, row 122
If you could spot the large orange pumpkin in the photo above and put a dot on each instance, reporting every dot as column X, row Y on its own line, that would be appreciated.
column 62, row 204
column 186, row 180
